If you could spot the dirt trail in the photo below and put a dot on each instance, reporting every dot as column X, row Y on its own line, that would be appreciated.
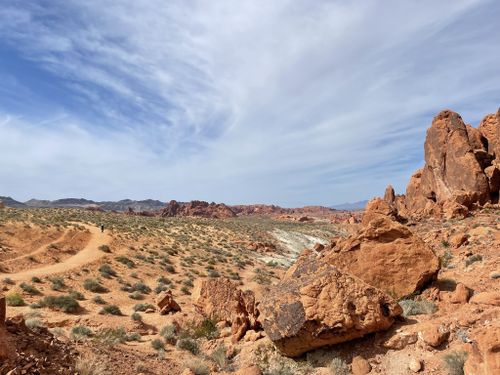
column 88, row 254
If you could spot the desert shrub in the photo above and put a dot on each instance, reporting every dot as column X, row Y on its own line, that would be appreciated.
column 112, row 336
column 169, row 268
column 14, row 299
column 141, row 287
column 163, row 280
column 107, row 271
column 219, row 356
column 93, row 285
column 454, row 362
column 206, row 329
column 161, row 288
column 411, row 307
column 445, row 259
column 30, row 289
column 36, row 279
column 445, row 244
column 136, row 317
column 66, row 304
column 89, row 365
column 77, row 295
column 99, row 300
column 136, row 295
column 198, row 367
column 191, row 345
column 143, row 307
column 339, row 367
column 124, row 260
column 9, row 281
column 473, row 259
column 157, row 344
column 133, row 336
column 57, row 283
column 185, row 290
column 33, row 323
column 105, row 248
column 110, row 310
column 169, row 334
column 80, row 332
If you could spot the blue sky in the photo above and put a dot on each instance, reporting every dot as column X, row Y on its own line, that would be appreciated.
column 289, row 102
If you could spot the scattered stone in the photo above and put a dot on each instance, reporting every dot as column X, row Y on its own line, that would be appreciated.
column 400, row 340
column 360, row 366
column 485, row 355
column 252, row 370
column 317, row 305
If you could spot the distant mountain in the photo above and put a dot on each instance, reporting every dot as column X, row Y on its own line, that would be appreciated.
column 122, row 205
column 354, row 206
column 9, row 202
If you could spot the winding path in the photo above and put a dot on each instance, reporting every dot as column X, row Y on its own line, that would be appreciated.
column 88, row 254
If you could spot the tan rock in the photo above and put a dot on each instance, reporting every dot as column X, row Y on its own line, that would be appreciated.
column 377, row 208
column 318, row 305
column 433, row 334
column 485, row 356
column 387, row 255
column 188, row 371
column 415, row 365
column 461, row 294
column 458, row 240
column 221, row 299
column 360, row 366
column 486, row 298
column 252, row 370
column 400, row 340
column 167, row 304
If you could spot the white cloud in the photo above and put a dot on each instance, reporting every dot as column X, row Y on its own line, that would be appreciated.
column 290, row 102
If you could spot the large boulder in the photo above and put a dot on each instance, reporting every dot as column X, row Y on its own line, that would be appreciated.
column 387, row 255
column 318, row 305
column 453, row 171
column 490, row 129
column 167, row 304
column 220, row 299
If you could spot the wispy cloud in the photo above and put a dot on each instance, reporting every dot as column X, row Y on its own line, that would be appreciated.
column 288, row 102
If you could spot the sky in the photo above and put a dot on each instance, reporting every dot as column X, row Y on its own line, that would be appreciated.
column 289, row 102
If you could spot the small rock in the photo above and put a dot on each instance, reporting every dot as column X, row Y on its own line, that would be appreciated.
column 433, row 334
column 188, row 371
column 461, row 294
column 415, row 365
column 360, row 366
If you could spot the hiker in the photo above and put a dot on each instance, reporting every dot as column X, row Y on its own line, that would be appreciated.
column 102, row 228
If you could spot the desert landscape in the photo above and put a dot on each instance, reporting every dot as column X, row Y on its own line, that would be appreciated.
column 408, row 285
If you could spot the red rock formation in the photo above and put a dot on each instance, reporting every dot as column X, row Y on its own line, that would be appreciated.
column 317, row 305
column 167, row 304
column 460, row 168
column 221, row 299
column 387, row 255
column 197, row 209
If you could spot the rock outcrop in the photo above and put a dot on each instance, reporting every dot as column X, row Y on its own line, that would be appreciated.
column 462, row 167
column 197, row 209
column 317, row 304
column 387, row 255
column 220, row 299
column 167, row 304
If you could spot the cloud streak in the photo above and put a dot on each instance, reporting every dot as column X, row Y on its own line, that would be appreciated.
column 282, row 102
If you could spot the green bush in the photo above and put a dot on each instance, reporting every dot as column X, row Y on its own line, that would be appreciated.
column 36, row 279
column 411, row 307
column 473, row 259
column 107, row 271
column 66, row 304
column 169, row 334
column 189, row 344
column 111, row 310
column 14, row 299
column 99, row 300
column 206, row 329
column 95, row 286
column 157, row 344
column 339, row 367
column 80, row 332
column 105, row 248
column 77, row 295
column 136, row 317
column 140, row 287
column 123, row 259
column 30, row 289
column 57, row 283
column 143, row 307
